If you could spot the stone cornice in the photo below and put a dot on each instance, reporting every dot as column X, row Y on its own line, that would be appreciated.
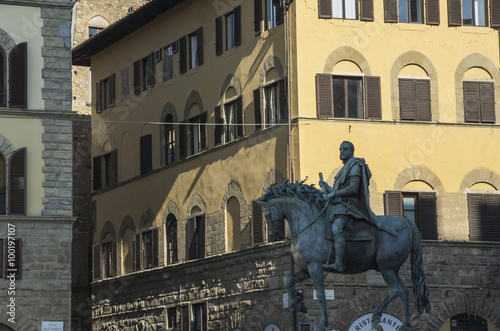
column 37, row 219
column 36, row 113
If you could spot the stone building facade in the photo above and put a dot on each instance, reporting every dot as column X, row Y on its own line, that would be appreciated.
column 36, row 164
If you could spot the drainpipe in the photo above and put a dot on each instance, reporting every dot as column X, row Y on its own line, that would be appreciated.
column 288, row 101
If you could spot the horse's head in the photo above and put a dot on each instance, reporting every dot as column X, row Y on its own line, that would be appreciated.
column 275, row 221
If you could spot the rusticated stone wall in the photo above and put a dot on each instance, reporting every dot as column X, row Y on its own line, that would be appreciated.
column 245, row 290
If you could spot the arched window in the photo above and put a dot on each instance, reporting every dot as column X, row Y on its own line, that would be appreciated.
column 172, row 256
column 479, row 96
column 484, row 212
column 3, row 79
column 414, row 94
column 104, row 255
column 195, row 234
column 127, row 250
column 96, row 24
column 169, row 139
column 233, row 241
column 146, row 242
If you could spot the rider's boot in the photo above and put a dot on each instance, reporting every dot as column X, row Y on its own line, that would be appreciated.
column 338, row 266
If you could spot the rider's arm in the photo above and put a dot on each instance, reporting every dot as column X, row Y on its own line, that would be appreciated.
column 353, row 187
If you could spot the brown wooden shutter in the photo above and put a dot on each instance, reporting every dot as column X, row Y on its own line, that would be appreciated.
column 98, row 103
column 112, row 92
column 182, row 54
column 203, row 131
column 423, row 99
column 239, row 117
column 218, row 36
column 201, row 229
column 366, row 10
column 373, row 98
column 182, row 140
column 17, row 182
column 137, row 77
column 146, row 150
column 471, row 101
column 219, row 122
column 455, row 12
column 258, row 224
column 492, row 221
column 114, row 258
column 113, row 166
column 476, row 214
column 487, row 101
column 283, row 102
column 432, row 10
column 2, row 265
column 199, row 48
column 257, row 111
column 190, row 239
column 393, row 203
column 324, row 95
column 407, row 99
column 495, row 13
column 204, row 317
column 185, row 322
column 391, row 11
column 96, row 262
column 237, row 26
column 97, row 173
column 151, row 70
column 138, row 252
column 325, row 9
column 155, row 247
column 18, row 76
column 427, row 215
column 257, row 16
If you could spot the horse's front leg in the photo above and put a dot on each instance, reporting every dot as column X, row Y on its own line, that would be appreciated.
column 316, row 272
column 290, row 280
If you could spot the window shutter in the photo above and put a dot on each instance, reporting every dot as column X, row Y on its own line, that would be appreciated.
column 391, row 11
column 218, row 35
column 283, row 104
column 112, row 90
column 18, row 76
column 432, row 7
column 257, row 16
column 155, row 243
column 325, row 9
column 146, row 150
column 427, row 215
column 393, row 204
column 137, row 77
column 237, row 26
column 373, row 98
column 182, row 140
column 203, row 131
column 185, row 323
column 182, row 54
column 407, row 99
column 324, row 95
column 239, row 117
column 476, row 212
column 366, row 10
column 258, row 225
column 218, row 126
column 114, row 247
column 279, row 12
column 97, row 173
column 17, row 182
column 138, row 252
column 495, row 13
column 257, row 109
column 492, row 222
column 190, row 239
column 423, row 99
column 455, row 12
column 98, row 103
column 113, row 160
column 487, row 101
column 151, row 70
column 471, row 101
column 201, row 235
column 96, row 262
column 199, row 49
column 204, row 317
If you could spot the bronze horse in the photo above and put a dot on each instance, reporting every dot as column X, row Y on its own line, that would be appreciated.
column 367, row 248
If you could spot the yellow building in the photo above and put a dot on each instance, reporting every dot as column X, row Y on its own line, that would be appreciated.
column 199, row 107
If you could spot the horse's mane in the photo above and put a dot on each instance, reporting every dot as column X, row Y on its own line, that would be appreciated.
column 307, row 193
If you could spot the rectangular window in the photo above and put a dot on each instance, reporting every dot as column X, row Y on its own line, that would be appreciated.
column 195, row 237
column 171, row 318
column 108, row 250
column 479, row 101
column 168, row 64
column 271, row 101
column 170, row 143
column 193, row 49
column 347, row 9
column 93, row 31
column 146, row 150
column 199, row 318
column 105, row 93
column 230, row 128
column 411, row 11
column 415, row 99
column 144, row 78
column 274, row 14
column 230, row 31
column 146, row 250
column 474, row 12
column 192, row 134
column 104, row 170
column 347, row 97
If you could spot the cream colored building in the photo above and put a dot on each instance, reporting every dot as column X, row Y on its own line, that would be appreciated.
column 198, row 107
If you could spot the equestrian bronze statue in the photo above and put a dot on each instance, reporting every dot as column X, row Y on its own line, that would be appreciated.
column 335, row 230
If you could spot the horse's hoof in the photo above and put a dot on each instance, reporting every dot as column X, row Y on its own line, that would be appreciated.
column 301, row 307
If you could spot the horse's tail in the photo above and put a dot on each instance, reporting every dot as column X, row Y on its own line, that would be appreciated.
column 420, row 289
